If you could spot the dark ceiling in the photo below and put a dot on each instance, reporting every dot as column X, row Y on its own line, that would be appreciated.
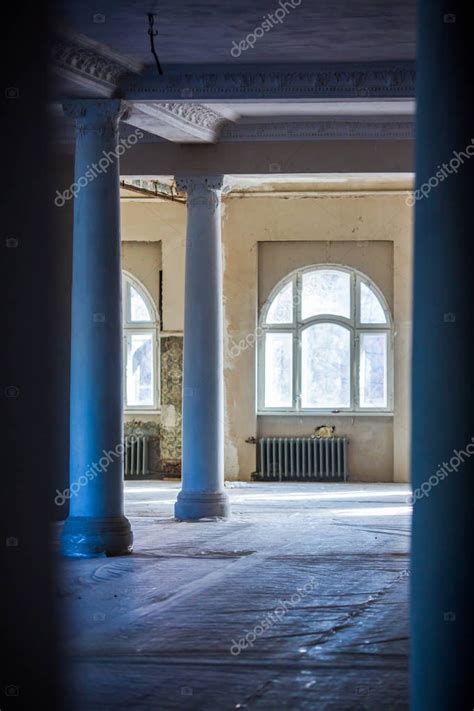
column 203, row 31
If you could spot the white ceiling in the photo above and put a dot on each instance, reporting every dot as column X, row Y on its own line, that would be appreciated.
column 203, row 31
column 102, row 43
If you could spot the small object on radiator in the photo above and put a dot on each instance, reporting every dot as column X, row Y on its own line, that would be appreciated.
column 324, row 432
column 301, row 459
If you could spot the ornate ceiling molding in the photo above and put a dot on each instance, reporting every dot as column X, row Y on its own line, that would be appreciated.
column 199, row 115
column 369, row 80
column 321, row 129
column 89, row 65
column 180, row 122
column 98, row 68
column 181, row 106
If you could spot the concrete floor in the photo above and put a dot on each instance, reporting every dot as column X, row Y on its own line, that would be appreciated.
column 315, row 575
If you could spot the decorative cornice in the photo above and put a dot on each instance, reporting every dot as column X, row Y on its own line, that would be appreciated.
column 92, row 66
column 196, row 122
column 97, row 67
column 196, row 114
column 320, row 129
column 367, row 79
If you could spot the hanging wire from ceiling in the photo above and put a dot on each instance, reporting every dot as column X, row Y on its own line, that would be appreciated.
column 152, row 34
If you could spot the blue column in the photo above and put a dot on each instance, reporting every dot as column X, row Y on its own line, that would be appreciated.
column 442, row 591
column 202, row 494
column 96, row 523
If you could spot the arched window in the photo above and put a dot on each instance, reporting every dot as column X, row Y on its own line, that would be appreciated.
column 140, row 347
column 326, row 344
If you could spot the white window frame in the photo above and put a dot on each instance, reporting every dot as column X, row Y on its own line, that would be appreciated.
column 139, row 327
column 297, row 327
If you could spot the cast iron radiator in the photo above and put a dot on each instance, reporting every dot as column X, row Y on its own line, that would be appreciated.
column 136, row 456
column 301, row 459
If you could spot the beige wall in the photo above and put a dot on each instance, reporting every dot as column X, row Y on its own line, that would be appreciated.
column 370, row 438
column 143, row 261
column 265, row 236
column 161, row 221
column 379, row 446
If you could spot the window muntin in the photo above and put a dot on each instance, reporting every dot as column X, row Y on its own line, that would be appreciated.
column 341, row 334
column 140, row 348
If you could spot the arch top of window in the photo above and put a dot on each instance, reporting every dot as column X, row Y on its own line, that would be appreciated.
column 326, row 291
column 138, row 307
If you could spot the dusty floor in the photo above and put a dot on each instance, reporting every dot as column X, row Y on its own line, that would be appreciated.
column 315, row 576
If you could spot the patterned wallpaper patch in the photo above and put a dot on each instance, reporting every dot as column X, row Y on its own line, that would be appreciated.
column 171, row 405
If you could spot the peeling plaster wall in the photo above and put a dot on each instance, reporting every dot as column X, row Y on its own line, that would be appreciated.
column 171, row 403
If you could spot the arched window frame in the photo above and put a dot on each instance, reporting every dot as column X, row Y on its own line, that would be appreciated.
column 299, row 324
column 137, row 327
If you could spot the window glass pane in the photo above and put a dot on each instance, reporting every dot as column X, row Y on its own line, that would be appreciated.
column 278, row 370
column 326, row 291
column 140, row 375
column 371, row 310
column 281, row 309
column 373, row 370
column 326, row 366
column 138, row 308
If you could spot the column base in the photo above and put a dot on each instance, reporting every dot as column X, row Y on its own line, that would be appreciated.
column 89, row 537
column 192, row 506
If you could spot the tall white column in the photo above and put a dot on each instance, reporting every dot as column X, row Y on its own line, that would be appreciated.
column 96, row 523
column 202, row 494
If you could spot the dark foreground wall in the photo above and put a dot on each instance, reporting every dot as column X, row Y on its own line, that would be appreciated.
column 442, row 604
column 29, row 671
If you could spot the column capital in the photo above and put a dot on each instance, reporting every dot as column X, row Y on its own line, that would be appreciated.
column 201, row 189
column 96, row 114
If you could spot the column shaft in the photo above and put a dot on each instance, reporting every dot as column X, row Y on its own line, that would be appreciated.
column 96, row 524
column 202, row 493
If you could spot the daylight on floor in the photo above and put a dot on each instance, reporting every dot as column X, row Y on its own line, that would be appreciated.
column 258, row 420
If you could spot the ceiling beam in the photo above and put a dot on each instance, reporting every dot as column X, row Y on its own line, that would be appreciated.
column 267, row 158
